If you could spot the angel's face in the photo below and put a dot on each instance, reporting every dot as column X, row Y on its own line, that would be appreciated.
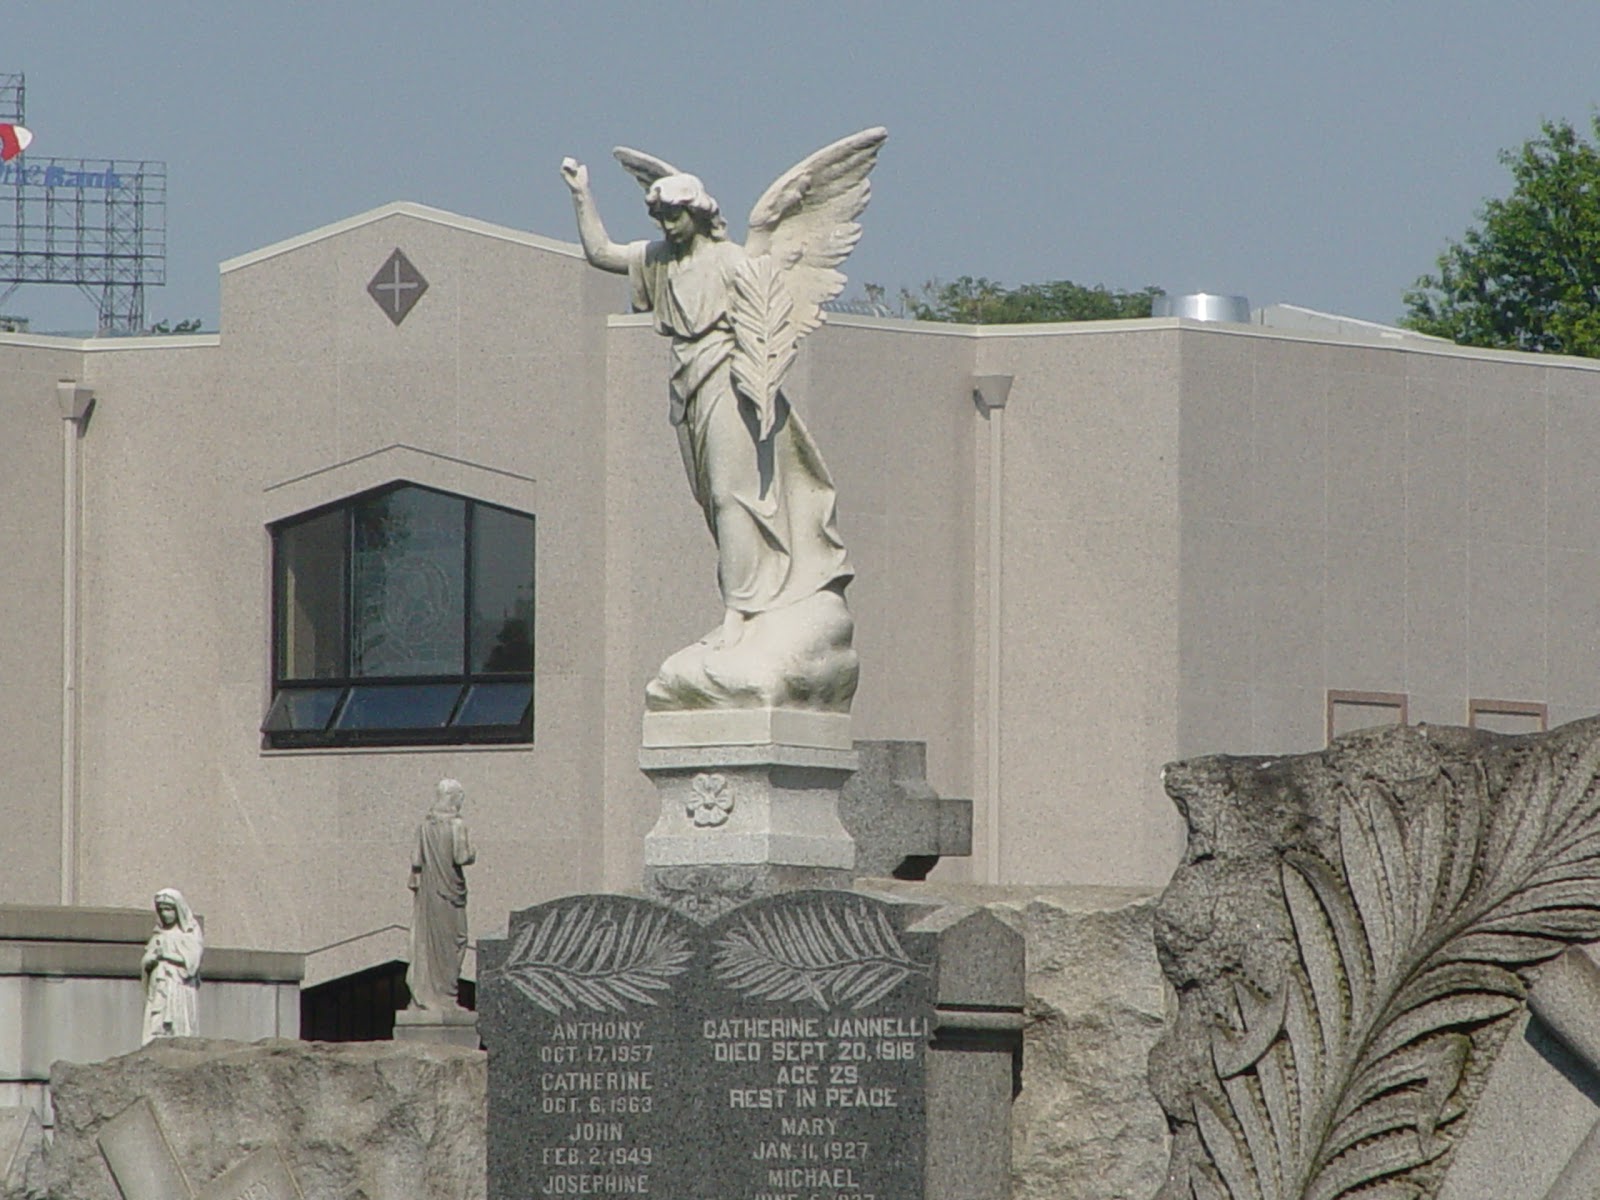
column 677, row 222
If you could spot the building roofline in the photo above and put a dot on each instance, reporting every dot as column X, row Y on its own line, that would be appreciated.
column 1375, row 339
column 1425, row 345
column 402, row 208
column 91, row 343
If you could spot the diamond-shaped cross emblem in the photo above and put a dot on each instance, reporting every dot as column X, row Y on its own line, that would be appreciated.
column 397, row 287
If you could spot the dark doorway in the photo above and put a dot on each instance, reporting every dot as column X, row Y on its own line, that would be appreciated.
column 361, row 1007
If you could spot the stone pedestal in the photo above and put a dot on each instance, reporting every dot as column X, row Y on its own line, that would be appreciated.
column 749, row 805
column 442, row 1026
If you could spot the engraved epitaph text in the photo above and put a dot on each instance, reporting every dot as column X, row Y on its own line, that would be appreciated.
column 776, row 1054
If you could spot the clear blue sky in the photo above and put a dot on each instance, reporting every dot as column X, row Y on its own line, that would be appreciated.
column 1318, row 154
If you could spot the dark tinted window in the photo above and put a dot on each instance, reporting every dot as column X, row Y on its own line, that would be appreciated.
column 402, row 616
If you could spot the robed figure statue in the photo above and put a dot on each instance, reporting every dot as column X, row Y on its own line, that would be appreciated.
column 171, row 970
column 439, row 904
column 735, row 315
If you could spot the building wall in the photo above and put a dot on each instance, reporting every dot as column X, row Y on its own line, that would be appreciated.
column 505, row 383
column 1087, row 626
column 488, row 388
column 1416, row 520
column 1172, row 539
column 891, row 406
column 31, row 530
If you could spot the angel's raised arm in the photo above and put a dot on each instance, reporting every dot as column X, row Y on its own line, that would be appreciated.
column 598, row 247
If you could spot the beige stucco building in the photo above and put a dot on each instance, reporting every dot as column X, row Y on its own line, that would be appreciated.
column 1173, row 538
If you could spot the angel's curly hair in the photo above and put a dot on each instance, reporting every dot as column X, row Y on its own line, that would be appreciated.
column 686, row 191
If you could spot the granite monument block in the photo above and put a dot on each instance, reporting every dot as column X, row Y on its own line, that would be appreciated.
column 782, row 1050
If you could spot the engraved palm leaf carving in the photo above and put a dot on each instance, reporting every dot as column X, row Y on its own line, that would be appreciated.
column 765, row 336
column 833, row 957
column 1345, row 1077
column 581, row 957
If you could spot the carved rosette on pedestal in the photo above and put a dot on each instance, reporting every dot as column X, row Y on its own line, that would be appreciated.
column 749, row 805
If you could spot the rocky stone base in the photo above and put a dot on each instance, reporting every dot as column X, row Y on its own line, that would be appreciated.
column 1085, row 1125
column 353, row 1121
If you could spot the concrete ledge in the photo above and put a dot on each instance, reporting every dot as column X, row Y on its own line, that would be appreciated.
column 49, row 940
column 767, row 754
column 121, row 961
column 55, row 922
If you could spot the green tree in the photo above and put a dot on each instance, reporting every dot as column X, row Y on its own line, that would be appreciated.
column 987, row 302
column 1529, row 277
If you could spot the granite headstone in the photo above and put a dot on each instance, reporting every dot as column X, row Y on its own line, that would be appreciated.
column 778, row 1052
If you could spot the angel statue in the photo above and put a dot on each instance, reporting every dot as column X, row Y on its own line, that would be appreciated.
column 735, row 315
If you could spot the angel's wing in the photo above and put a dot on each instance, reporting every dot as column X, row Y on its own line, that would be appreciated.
column 807, row 221
column 646, row 168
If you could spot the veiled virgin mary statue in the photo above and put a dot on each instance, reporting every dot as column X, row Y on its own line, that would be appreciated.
column 735, row 315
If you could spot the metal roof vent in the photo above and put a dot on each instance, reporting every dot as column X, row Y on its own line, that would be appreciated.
column 1202, row 306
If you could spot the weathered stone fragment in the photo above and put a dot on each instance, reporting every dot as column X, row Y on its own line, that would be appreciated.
column 22, row 1150
column 1084, row 1125
column 1351, row 935
column 352, row 1121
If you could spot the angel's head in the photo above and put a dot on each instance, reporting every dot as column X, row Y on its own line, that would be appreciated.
column 683, row 207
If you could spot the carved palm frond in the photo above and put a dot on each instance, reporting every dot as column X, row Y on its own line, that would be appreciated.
column 580, row 957
column 848, row 956
column 1345, row 1077
column 764, row 335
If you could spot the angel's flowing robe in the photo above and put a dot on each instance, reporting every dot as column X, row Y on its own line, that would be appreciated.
column 439, row 910
column 769, row 501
